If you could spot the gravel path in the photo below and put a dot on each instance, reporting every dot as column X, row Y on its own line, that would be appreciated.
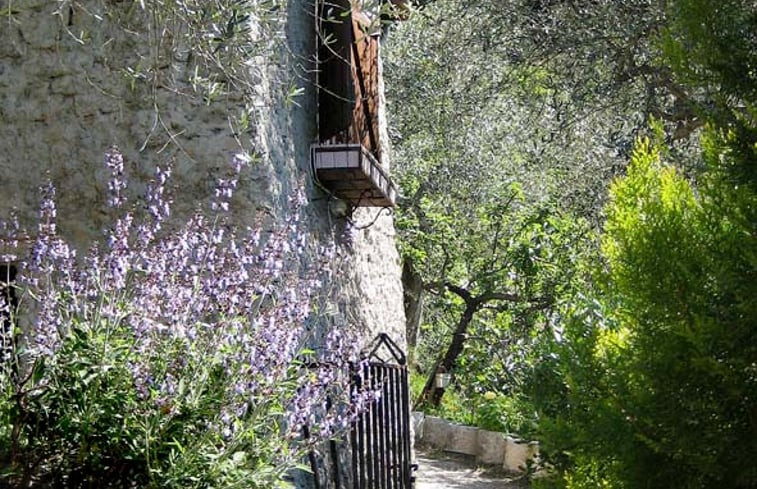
column 450, row 471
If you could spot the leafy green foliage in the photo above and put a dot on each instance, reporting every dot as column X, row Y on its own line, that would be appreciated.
column 548, row 95
column 658, row 381
column 485, row 142
column 84, row 417
column 641, row 369
column 506, row 414
column 653, row 381
column 711, row 49
column 712, row 46
column 511, row 266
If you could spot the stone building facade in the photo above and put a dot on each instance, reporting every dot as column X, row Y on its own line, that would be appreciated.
column 78, row 77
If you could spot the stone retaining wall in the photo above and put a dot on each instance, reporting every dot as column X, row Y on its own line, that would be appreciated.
column 489, row 447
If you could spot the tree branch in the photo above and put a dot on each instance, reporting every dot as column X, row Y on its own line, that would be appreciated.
column 464, row 293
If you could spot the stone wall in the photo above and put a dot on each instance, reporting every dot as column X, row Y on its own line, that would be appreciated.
column 78, row 77
column 488, row 447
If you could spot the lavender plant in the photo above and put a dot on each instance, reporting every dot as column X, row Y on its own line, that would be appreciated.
column 168, row 357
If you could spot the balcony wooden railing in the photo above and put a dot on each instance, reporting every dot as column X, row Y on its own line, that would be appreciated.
column 353, row 174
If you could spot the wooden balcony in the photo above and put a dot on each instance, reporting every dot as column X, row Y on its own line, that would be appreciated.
column 352, row 173
column 347, row 160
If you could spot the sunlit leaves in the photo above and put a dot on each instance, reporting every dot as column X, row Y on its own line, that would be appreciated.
column 658, row 367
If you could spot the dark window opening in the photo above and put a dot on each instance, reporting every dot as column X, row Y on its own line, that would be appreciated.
column 348, row 95
column 8, row 304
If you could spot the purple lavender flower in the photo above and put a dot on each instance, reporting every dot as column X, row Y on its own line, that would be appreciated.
column 114, row 160
column 206, row 309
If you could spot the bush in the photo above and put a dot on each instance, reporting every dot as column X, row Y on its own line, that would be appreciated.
column 489, row 411
column 658, row 370
column 505, row 413
column 167, row 358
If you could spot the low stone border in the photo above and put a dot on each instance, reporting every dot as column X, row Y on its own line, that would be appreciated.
column 489, row 447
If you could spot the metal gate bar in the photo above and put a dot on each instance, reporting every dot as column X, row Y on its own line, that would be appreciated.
column 383, row 449
column 379, row 440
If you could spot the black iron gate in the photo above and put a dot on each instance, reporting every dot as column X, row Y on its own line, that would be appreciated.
column 376, row 454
